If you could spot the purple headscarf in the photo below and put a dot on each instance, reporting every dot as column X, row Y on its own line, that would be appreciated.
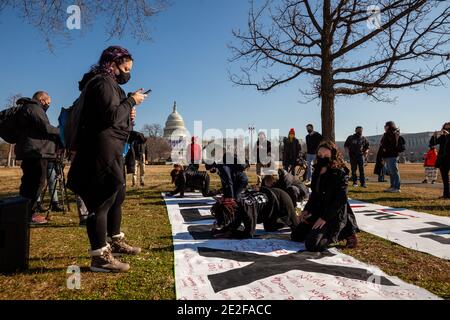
column 111, row 54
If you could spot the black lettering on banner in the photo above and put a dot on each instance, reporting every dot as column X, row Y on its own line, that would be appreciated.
column 191, row 215
column 264, row 266
column 380, row 215
column 437, row 228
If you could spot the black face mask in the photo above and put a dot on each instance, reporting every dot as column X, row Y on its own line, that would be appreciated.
column 359, row 134
column 310, row 130
column 123, row 77
column 323, row 162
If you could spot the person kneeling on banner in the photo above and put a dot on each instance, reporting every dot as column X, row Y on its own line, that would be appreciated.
column 327, row 217
column 289, row 183
column 238, row 218
column 189, row 179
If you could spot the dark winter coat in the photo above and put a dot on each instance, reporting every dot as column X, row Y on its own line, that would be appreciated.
column 312, row 142
column 291, row 151
column 97, row 172
column 357, row 145
column 37, row 137
column 329, row 201
column 292, row 185
column 392, row 144
column 443, row 160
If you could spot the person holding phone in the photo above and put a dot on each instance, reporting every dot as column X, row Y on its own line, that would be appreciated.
column 442, row 138
column 96, row 173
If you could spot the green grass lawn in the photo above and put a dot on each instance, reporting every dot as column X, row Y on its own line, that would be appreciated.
column 62, row 243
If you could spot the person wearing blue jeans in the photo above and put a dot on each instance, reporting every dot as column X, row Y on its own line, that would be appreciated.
column 392, row 144
column 394, row 173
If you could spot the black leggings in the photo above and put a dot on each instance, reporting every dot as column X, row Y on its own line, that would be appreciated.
column 445, row 179
column 106, row 220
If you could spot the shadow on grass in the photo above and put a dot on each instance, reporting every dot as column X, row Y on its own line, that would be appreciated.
column 56, row 226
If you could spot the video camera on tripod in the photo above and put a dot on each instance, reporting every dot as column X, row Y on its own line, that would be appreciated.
column 59, row 188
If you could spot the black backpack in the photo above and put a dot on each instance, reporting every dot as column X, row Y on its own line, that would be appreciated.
column 70, row 118
column 9, row 130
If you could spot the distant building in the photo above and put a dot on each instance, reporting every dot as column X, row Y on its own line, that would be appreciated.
column 416, row 146
column 175, row 132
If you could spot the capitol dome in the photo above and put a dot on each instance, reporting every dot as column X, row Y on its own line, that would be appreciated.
column 174, row 123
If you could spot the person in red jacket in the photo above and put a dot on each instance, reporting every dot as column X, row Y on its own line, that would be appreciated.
column 429, row 164
column 194, row 154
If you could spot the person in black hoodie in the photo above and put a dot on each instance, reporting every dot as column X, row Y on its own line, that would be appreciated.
column 35, row 146
column 327, row 217
column 96, row 173
column 442, row 138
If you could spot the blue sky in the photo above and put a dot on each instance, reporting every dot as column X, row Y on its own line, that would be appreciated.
column 187, row 62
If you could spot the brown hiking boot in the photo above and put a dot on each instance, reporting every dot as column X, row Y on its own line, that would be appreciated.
column 120, row 247
column 352, row 242
column 103, row 261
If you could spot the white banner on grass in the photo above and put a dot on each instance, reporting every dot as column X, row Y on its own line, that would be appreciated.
column 267, row 267
column 415, row 230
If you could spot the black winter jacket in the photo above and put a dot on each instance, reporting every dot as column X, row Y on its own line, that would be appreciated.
column 97, row 171
column 37, row 136
column 443, row 160
column 328, row 200
column 291, row 151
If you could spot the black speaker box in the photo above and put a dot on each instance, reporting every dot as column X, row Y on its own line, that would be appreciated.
column 14, row 234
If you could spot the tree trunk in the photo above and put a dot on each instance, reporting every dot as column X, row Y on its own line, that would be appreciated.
column 9, row 163
column 327, row 88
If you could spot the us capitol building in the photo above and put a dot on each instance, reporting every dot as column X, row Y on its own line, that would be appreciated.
column 175, row 133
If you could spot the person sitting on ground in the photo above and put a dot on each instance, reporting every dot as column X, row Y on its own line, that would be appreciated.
column 429, row 163
column 327, row 217
column 238, row 218
column 189, row 179
column 289, row 183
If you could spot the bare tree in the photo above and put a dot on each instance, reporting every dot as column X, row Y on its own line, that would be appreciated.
column 344, row 48
column 153, row 130
column 11, row 102
column 124, row 17
column 158, row 148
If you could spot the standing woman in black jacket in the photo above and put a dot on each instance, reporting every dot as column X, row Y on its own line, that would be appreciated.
column 442, row 138
column 327, row 217
column 96, row 173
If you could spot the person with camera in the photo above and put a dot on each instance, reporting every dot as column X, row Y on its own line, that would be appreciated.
column 442, row 138
column 35, row 146
column 54, row 170
column 96, row 173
